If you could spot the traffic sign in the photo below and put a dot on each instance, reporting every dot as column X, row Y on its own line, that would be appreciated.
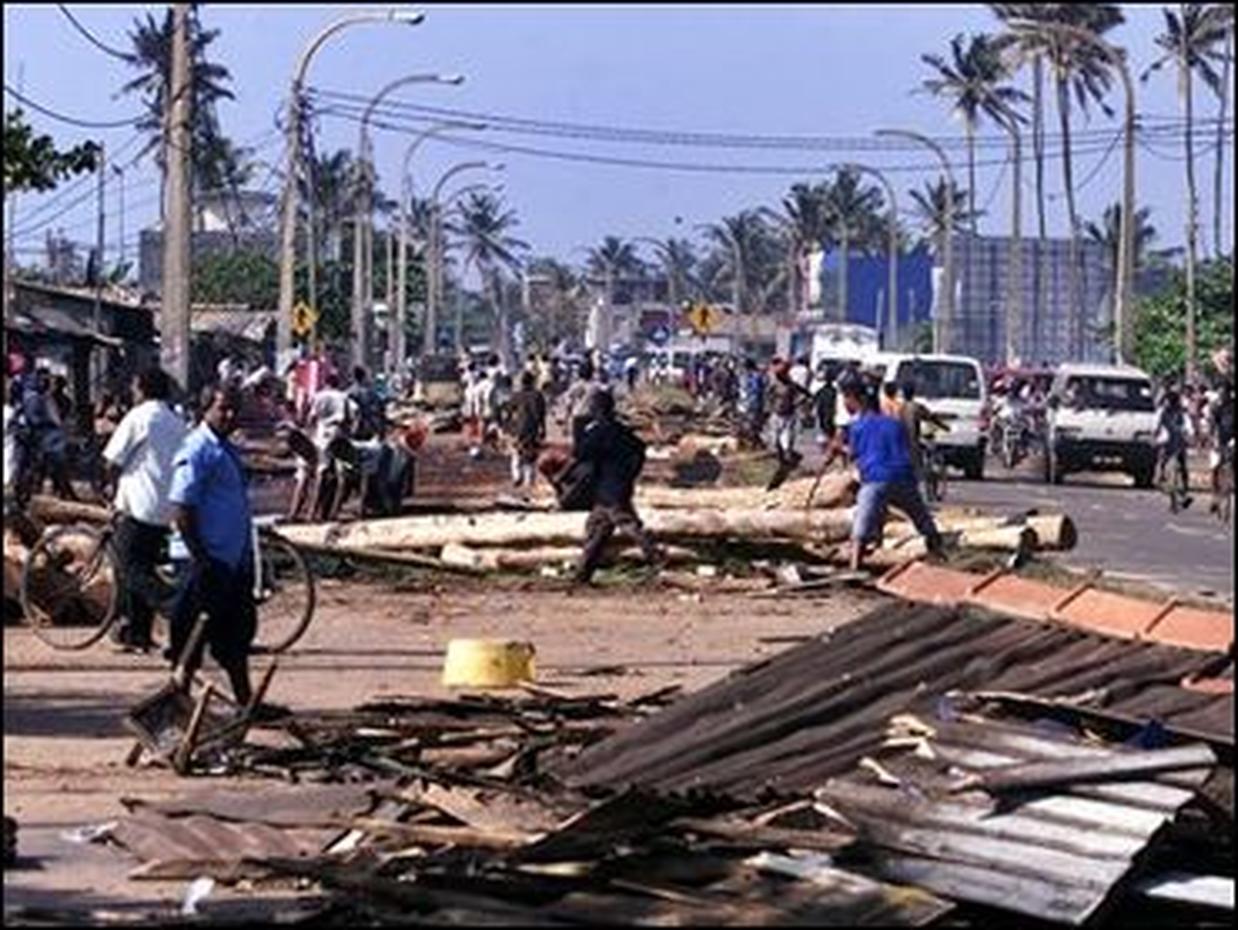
column 304, row 317
column 660, row 335
column 703, row 318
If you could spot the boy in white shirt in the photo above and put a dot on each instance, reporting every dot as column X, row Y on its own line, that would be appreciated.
column 140, row 452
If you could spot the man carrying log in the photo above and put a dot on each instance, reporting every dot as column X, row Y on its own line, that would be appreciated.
column 880, row 448
column 617, row 456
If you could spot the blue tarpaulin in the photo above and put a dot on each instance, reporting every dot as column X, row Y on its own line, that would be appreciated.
column 867, row 282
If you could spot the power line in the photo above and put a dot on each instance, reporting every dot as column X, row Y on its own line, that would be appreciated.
column 72, row 121
column 83, row 180
column 345, row 101
column 621, row 161
column 90, row 36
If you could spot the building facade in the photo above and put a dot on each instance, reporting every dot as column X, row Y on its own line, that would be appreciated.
column 981, row 268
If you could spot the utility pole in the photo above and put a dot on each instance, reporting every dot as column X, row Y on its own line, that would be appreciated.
column 96, row 366
column 174, row 317
column 120, row 214
column 392, row 321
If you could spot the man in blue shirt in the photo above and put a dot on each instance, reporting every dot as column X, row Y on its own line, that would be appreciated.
column 880, row 449
column 211, row 511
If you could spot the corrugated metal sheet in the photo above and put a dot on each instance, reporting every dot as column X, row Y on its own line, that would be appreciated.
column 1055, row 854
column 170, row 839
column 1084, row 606
column 787, row 724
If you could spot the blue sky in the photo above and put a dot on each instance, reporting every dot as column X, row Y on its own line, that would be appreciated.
column 765, row 69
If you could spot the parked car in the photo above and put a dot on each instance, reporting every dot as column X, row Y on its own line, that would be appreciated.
column 1102, row 418
column 438, row 382
column 952, row 386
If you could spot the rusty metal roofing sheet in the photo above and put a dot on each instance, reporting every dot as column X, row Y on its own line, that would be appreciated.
column 786, row 724
column 1056, row 854
column 154, row 838
column 1085, row 606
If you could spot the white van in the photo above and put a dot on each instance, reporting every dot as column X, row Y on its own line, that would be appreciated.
column 952, row 386
column 1102, row 418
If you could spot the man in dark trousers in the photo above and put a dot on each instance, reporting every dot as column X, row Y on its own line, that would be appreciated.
column 527, row 428
column 617, row 456
column 879, row 447
column 211, row 511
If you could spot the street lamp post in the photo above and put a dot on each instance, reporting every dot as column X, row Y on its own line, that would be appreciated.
column 435, row 255
column 363, row 260
column 288, row 219
column 946, row 320
column 400, row 338
column 1124, row 286
column 892, row 247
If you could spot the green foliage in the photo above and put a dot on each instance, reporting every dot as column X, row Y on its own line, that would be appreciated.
column 240, row 277
column 31, row 162
column 1160, row 321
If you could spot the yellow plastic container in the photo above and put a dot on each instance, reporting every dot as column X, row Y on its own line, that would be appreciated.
column 487, row 663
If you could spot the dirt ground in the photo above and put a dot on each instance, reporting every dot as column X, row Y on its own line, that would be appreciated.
column 64, row 745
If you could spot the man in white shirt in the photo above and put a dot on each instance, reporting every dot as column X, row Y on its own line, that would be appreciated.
column 140, row 453
column 331, row 415
column 12, row 451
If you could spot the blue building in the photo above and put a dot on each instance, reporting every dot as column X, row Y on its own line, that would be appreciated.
column 868, row 278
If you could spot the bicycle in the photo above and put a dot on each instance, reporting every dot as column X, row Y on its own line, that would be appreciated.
column 1173, row 482
column 72, row 579
column 934, row 470
column 1223, row 496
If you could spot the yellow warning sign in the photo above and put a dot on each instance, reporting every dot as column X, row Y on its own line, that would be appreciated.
column 304, row 317
column 703, row 318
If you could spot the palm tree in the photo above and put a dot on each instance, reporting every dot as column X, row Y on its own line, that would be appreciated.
column 485, row 226
column 1218, row 175
column 745, row 245
column 972, row 81
column 1024, row 48
column 1108, row 234
column 558, row 301
column 615, row 258
column 1080, row 68
column 678, row 260
column 805, row 222
column 1191, row 41
column 853, row 213
column 330, row 189
column 152, row 55
column 942, row 210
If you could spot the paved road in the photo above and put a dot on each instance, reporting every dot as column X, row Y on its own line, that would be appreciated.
column 1123, row 531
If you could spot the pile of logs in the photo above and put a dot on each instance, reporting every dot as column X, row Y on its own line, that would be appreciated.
column 690, row 525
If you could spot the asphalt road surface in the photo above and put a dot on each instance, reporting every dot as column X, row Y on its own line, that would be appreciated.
column 1125, row 532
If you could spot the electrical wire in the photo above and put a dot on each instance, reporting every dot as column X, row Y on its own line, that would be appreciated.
column 60, row 194
column 345, row 101
column 72, row 121
column 90, row 37
column 621, row 161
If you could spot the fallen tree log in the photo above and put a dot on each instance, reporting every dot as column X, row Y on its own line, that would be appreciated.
column 1054, row 532
column 54, row 510
column 511, row 529
column 500, row 559
column 836, row 490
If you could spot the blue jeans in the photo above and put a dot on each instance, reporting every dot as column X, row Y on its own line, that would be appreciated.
column 870, row 511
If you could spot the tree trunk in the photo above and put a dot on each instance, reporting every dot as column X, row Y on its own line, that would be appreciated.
column 1038, row 153
column 1192, row 224
column 1218, row 176
column 1014, row 267
column 1074, row 314
column 512, row 529
column 844, row 255
column 503, row 346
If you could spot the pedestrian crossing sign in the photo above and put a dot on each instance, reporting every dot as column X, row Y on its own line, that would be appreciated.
column 703, row 318
column 303, row 319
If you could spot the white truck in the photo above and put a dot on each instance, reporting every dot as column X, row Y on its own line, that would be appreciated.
column 951, row 386
column 834, row 343
column 1102, row 418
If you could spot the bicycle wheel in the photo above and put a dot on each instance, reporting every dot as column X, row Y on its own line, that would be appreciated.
column 70, row 587
column 284, row 594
